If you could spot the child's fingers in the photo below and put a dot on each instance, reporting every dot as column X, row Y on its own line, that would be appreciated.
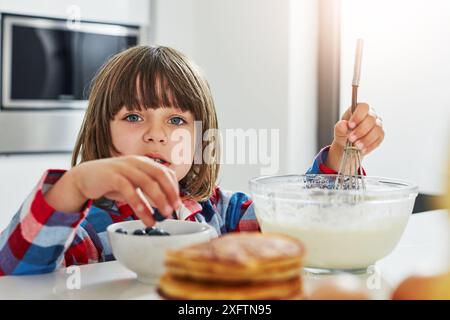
column 361, row 111
column 174, row 178
column 132, row 197
column 347, row 114
column 169, row 189
column 162, row 176
column 151, row 188
column 368, row 139
column 373, row 146
column 341, row 129
column 156, row 195
column 341, row 132
column 363, row 128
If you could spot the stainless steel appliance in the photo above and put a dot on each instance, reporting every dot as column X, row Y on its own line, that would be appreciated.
column 47, row 66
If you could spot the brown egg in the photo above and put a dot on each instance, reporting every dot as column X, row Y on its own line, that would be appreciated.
column 341, row 287
column 412, row 288
column 423, row 288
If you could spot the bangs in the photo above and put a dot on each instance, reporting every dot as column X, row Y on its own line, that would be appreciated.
column 155, row 79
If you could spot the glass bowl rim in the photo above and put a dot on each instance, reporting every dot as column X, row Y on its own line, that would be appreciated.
column 405, row 188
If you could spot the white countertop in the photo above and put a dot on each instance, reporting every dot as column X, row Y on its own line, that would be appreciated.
column 424, row 248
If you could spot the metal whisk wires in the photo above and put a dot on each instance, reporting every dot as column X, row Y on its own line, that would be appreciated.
column 349, row 177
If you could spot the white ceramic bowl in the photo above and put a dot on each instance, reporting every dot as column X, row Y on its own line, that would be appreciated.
column 342, row 230
column 144, row 255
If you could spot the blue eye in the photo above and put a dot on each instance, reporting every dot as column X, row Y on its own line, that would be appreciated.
column 132, row 118
column 178, row 121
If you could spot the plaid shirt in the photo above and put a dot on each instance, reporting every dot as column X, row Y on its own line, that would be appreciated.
column 40, row 239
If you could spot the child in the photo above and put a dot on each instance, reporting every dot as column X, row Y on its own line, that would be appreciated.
column 138, row 99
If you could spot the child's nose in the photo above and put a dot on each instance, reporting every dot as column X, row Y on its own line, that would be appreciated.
column 155, row 135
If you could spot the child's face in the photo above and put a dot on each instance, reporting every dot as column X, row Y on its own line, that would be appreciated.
column 150, row 132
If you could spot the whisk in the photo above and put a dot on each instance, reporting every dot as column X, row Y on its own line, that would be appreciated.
column 348, row 177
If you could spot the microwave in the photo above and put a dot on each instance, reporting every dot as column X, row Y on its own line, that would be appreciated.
column 47, row 66
column 49, row 63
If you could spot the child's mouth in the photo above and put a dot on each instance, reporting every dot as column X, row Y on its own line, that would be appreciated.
column 159, row 159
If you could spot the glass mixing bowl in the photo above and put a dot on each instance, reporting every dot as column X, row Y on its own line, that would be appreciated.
column 342, row 230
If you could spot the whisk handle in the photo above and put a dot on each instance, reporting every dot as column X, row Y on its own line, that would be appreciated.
column 356, row 73
column 358, row 60
column 354, row 97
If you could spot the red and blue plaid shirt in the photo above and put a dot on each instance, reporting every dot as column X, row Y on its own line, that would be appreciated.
column 40, row 239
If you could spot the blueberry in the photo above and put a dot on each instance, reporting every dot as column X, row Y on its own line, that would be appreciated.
column 151, row 231
column 120, row 230
column 158, row 216
column 139, row 232
column 164, row 233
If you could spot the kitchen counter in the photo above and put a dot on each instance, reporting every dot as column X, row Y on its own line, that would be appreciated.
column 424, row 248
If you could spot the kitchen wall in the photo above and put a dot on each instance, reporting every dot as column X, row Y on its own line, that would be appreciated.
column 258, row 55
column 260, row 59
column 405, row 76
column 20, row 173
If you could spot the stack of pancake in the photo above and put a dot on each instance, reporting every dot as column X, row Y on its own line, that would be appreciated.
column 247, row 265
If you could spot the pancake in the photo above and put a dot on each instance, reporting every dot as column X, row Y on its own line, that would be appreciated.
column 217, row 273
column 171, row 287
column 239, row 257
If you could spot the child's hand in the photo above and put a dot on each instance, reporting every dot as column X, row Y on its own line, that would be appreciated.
column 117, row 179
column 364, row 128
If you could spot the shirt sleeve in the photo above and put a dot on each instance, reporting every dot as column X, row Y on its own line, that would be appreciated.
column 236, row 210
column 319, row 167
column 37, row 237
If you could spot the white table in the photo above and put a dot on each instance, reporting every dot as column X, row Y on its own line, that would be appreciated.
column 424, row 248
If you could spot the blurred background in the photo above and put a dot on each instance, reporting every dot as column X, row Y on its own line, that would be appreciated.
column 280, row 64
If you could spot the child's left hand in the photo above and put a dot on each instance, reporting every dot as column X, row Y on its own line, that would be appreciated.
column 364, row 128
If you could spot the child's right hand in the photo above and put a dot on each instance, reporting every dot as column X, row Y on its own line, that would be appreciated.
column 118, row 179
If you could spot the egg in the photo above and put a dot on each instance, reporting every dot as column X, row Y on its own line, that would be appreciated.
column 419, row 287
column 340, row 287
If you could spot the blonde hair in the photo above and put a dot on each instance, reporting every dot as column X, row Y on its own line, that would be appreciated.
column 166, row 78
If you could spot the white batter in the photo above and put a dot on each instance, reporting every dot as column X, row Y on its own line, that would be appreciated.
column 341, row 236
